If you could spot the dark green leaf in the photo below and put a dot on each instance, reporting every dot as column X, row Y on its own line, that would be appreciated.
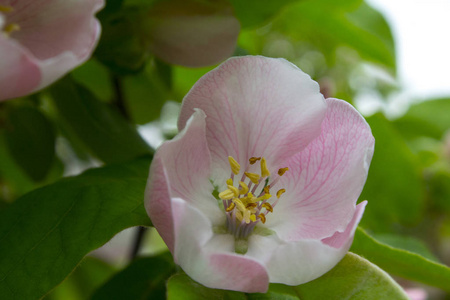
column 103, row 130
column 394, row 188
column 353, row 278
column 401, row 262
column 182, row 287
column 94, row 76
column 47, row 232
column 145, row 278
column 31, row 140
column 256, row 12
column 90, row 274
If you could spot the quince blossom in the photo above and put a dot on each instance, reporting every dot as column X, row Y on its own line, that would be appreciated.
column 261, row 183
column 41, row 40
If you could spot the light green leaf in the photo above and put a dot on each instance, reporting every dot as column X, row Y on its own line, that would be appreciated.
column 103, row 130
column 31, row 140
column 256, row 12
column 394, row 187
column 144, row 278
column 328, row 24
column 182, row 287
column 353, row 278
column 46, row 233
column 401, row 262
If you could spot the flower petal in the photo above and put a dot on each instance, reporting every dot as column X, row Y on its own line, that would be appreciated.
column 191, row 33
column 208, row 258
column 59, row 34
column 19, row 74
column 256, row 106
column 325, row 180
column 180, row 168
column 301, row 261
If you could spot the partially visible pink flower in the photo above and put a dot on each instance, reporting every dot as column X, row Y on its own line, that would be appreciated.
column 289, row 167
column 416, row 293
column 192, row 33
column 41, row 40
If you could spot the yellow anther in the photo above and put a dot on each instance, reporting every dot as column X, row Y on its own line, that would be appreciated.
column 234, row 189
column 235, row 167
column 6, row 8
column 253, row 177
column 268, row 207
column 267, row 189
column 280, row 192
column 226, row 195
column 251, row 205
column 282, row 171
column 244, row 189
column 253, row 218
column 239, row 204
column 239, row 215
column 250, row 198
column 247, row 216
column 262, row 217
column 253, row 160
column 264, row 171
column 11, row 28
column 229, row 181
column 231, row 207
column 264, row 197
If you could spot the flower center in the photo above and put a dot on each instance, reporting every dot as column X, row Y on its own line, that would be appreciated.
column 7, row 29
column 248, row 202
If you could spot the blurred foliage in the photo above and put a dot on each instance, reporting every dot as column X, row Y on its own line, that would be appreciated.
column 90, row 118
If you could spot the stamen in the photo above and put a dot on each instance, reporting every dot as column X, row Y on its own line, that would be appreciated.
column 235, row 167
column 282, row 171
column 11, row 28
column 253, row 160
column 251, row 205
column 264, row 197
column 280, row 192
column 253, row 177
column 267, row 189
column 226, row 195
column 267, row 206
column 231, row 207
column 244, row 189
column 234, row 189
column 262, row 217
column 253, row 218
column 264, row 171
column 6, row 8
column 239, row 205
column 229, row 181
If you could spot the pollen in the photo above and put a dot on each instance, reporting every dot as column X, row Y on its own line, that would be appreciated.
column 247, row 204
column 282, row 171
column 235, row 166
column 6, row 8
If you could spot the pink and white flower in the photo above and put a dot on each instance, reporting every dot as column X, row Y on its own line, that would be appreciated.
column 41, row 40
column 289, row 166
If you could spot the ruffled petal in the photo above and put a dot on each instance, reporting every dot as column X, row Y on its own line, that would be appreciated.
column 19, row 74
column 256, row 106
column 180, row 168
column 208, row 258
column 301, row 261
column 192, row 34
column 325, row 180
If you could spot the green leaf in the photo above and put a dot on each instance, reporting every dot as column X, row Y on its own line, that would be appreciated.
column 46, row 233
column 352, row 278
column 145, row 94
column 95, row 77
column 328, row 25
column 182, row 287
column 31, row 140
column 430, row 113
column 103, row 130
column 394, row 187
column 400, row 262
column 144, row 278
column 90, row 274
column 255, row 12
